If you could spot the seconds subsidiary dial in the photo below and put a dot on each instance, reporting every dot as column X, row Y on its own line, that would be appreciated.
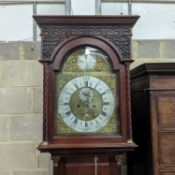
column 86, row 104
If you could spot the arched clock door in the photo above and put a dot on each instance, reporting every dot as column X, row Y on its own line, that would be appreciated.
column 87, row 115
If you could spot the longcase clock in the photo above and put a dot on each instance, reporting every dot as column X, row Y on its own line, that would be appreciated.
column 87, row 113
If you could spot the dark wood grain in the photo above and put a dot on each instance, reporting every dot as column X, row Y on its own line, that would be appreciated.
column 86, row 154
column 153, row 99
column 167, row 173
column 86, row 19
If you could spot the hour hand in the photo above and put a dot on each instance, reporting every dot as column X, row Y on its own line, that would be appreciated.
column 92, row 112
column 85, row 94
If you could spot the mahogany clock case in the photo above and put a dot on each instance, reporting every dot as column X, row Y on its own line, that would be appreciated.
column 60, row 36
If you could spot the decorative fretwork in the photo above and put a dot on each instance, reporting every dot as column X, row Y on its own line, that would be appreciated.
column 118, row 35
column 49, row 44
column 83, row 29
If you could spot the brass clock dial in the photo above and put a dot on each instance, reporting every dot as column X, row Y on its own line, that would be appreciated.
column 86, row 104
column 87, row 95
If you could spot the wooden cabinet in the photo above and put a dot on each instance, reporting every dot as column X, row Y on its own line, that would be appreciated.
column 153, row 117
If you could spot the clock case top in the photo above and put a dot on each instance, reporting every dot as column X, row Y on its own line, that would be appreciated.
column 61, row 34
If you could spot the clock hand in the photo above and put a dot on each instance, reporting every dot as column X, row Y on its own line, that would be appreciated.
column 89, row 95
column 86, row 100
column 85, row 94
column 92, row 112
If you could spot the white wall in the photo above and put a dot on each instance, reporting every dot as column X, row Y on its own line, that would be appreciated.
column 114, row 8
column 157, row 21
column 16, row 22
column 83, row 7
column 51, row 9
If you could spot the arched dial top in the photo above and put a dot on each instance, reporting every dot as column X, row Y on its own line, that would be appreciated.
column 87, row 59
column 87, row 94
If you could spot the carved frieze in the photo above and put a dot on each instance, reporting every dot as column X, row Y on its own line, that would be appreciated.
column 119, row 35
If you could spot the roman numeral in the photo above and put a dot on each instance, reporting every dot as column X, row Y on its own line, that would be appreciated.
column 75, row 84
column 68, row 93
column 98, row 124
column 104, row 113
column 106, row 103
column 103, row 93
column 68, row 113
column 86, row 79
column 65, row 103
column 75, row 121
column 62, row 115
column 85, row 129
column 96, row 85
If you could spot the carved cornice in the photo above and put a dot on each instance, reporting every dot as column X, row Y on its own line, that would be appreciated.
column 117, row 29
column 87, row 20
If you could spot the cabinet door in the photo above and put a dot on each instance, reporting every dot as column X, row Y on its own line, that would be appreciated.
column 163, row 131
